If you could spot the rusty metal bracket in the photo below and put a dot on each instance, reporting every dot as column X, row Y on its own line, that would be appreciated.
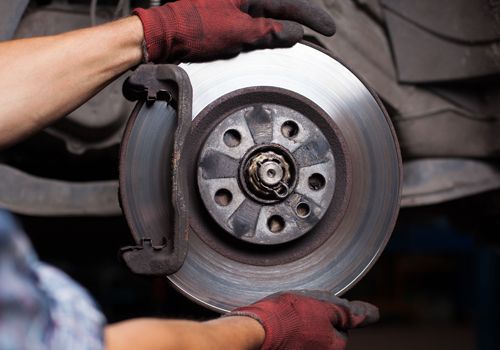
column 163, row 252
column 152, row 83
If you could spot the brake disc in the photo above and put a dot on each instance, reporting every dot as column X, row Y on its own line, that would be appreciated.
column 294, row 176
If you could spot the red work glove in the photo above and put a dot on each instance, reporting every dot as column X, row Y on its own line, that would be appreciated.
column 308, row 319
column 201, row 30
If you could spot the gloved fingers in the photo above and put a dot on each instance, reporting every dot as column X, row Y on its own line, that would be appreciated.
column 339, row 341
column 343, row 314
column 340, row 334
column 357, row 314
column 271, row 33
column 301, row 11
column 367, row 312
column 361, row 313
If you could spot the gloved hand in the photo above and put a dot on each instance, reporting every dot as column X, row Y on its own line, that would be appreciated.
column 308, row 319
column 201, row 30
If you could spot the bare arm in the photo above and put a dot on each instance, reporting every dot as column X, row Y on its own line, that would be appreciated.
column 290, row 320
column 43, row 79
column 152, row 334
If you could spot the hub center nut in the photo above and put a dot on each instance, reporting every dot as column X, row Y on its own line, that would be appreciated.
column 268, row 173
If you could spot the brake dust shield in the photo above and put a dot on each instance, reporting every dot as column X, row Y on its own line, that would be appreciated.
column 297, row 114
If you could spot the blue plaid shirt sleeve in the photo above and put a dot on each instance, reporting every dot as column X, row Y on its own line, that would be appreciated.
column 40, row 306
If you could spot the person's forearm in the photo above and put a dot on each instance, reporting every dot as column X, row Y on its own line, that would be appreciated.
column 43, row 79
column 153, row 334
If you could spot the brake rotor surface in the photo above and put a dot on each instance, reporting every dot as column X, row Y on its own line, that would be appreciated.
column 346, row 242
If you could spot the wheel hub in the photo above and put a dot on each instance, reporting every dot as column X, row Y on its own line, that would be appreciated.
column 255, row 171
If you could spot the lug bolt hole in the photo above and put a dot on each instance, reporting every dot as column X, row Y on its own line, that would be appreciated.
column 276, row 224
column 232, row 138
column 290, row 129
column 316, row 182
column 223, row 197
column 303, row 210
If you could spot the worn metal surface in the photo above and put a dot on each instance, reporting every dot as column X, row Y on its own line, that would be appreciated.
column 26, row 194
column 222, row 283
column 153, row 184
column 433, row 181
column 256, row 173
